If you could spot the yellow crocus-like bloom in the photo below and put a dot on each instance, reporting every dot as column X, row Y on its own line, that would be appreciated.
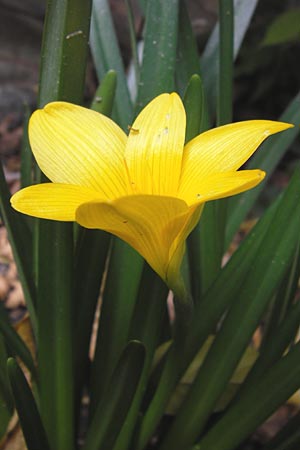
column 147, row 188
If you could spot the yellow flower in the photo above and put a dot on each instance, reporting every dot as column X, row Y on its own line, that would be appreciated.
column 146, row 188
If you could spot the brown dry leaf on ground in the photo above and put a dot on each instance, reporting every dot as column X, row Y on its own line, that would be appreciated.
column 14, row 439
column 10, row 287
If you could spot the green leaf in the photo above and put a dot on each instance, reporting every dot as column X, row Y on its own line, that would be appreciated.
column 30, row 420
column 104, row 97
column 112, row 410
column 64, row 56
column 281, row 338
column 90, row 258
column 283, row 300
column 285, row 28
column 187, row 380
column 159, row 56
column 119, row 298
column 194, row 107
column 243, row 12
column 26, row 154
column 187, row 63
column 62, row 74
column 133, row 39
column 15, row 343
column 106, row 55
column 273, row 257
column 20, row 239
column 224, row 108
column 266, row 158
column 6, row 400
column 146, row 326
column 246, row 415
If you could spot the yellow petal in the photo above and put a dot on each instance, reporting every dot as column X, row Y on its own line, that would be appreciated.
column 52, row 201
column 199, row 190
column 155, row 145
column 150, row 224
column 225, row 148
column 75, row 145
column 178, row 247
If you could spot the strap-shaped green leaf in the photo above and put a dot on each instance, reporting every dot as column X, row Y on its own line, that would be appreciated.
column 119, row 298
column 15, row 342
column 146, row 326
column 113, row 408
column 194, row 106
column 243, row 12
column 30, row 420
column 274, row 256
column 90, row 259
column 6, row 400
column 106, row 54
column 159, row 56
column 64, row 55
column 20, row 239
column 275, row 347
column 283, row 301
column 104, row 97
column 187, row 62
column 246, row 415
column 26, row 155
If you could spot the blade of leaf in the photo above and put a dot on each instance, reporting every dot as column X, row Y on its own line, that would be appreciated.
column 266, row 158
column 106, row 55
column 245, row 415
column 15, row 342
column 159, row 56
column 240, row 322
column 26, row 155
column 6, row 400
column 133, row 40
column 280, row 340
column 20, row 239
column 31, row 422
column 283, row 300
column 146, row 326
column 243, row 12
column 119, row 297
column 111, row 411
column 62, row 77
column 104, row 97
column 187, row 63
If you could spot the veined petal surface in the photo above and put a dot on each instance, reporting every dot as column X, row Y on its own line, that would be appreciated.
column 52, row 201
column 225, row 148
column 75, row 145
column 199, row 190
column 150, row 224
column 177, row 248
column 155, row 145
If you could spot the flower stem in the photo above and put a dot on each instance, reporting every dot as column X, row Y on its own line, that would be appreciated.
column 183, row 304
